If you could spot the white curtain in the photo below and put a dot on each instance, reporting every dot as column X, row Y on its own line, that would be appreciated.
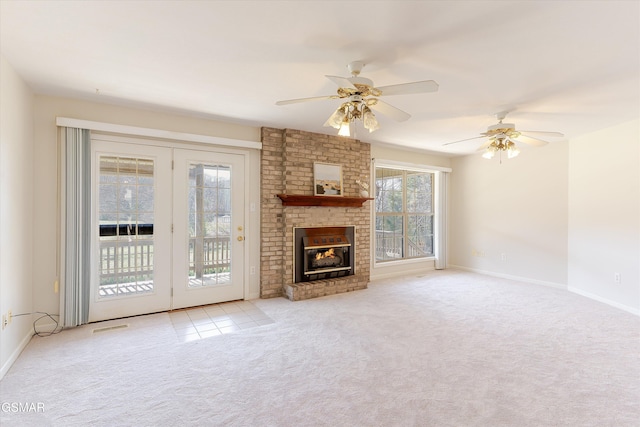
column 440, row 243
column 76, row 225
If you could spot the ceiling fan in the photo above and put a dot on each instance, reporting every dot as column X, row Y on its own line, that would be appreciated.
column 361, row 96
column 504, row 136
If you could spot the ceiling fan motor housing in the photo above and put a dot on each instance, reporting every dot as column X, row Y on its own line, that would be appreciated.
column 502, row 127
column 355, row 67
column 361, row 81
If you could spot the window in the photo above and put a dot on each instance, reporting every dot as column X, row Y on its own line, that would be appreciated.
column 404, row 217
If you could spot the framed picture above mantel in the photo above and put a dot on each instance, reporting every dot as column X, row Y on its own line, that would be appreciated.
column 327, row 179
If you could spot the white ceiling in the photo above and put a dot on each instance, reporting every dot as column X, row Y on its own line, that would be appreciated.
column 566, row 66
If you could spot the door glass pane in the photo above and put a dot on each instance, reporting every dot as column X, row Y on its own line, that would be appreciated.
column 126, row 209
column 209, row 225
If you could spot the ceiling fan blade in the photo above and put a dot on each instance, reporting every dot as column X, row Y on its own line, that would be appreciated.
column 341, row 81
column 315, row 98
column 463, row 140
column 484, row 145
column 541, row 133
column 389, row 110
column 531, row 140
column 409, row 88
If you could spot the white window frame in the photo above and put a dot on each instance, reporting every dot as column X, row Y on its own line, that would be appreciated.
column 439, row 202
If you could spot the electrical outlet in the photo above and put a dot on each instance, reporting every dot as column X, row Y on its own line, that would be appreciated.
column 10, row 315
column 617, row 278
column 503, row 256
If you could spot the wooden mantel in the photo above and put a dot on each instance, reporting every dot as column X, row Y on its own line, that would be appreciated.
column 300, row 200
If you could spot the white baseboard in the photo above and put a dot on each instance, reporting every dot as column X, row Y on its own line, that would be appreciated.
column 406, row 272
column 15, row 354
column 510, row 277
column 604, row 300
column 553, row 285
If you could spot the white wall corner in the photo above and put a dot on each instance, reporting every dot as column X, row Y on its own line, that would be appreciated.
column 604, row 300
column 511, row 277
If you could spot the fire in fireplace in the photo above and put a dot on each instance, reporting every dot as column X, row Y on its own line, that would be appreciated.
column 328, row 258
column 326, row 253
column 323, row 253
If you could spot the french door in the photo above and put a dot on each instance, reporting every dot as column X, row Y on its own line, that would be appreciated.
column 168, row 228
column 208, row 236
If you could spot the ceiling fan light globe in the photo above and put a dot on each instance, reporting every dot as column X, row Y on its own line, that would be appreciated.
column 491, row 151
column 337, row 118
column 512, row 152
column 345, row 129
column 372, row 128
column 489, row 154
column 369, row 120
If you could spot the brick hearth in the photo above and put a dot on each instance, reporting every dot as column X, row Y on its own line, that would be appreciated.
column 287, row 168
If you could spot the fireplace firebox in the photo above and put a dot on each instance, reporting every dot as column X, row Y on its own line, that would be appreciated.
column 323, row 253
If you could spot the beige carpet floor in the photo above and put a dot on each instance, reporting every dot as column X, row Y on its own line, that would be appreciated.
column 449, row 348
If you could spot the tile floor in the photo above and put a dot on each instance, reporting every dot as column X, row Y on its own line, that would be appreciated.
column 217, row 319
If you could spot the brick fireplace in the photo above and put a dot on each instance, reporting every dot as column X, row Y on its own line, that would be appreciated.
column 287, row 168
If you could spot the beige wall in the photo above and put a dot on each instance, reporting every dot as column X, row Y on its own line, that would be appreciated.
column 604, row 215
column 517, row 208
column 417, row 157
column 16, row 211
